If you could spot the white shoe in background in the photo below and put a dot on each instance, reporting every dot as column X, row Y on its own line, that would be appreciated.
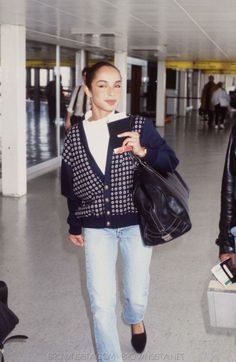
column 222, row 126
column 216, row 127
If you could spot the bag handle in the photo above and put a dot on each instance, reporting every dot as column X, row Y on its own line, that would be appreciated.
column 3, row 292
column 84, row 103
column 75, row 101
column 17, row 336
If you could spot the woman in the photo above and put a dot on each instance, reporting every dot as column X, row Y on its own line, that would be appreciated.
column 78, row 103
column 225, row 240
column 98, row 185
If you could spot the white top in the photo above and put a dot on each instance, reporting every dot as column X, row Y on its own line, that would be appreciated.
column 220, row 97
column 97, row 135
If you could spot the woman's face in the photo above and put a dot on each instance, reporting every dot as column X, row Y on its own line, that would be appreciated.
column 105, row 91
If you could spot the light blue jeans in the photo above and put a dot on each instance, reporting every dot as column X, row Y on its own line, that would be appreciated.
column 101, row 249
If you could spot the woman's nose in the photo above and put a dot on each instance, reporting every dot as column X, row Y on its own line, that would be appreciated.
column 110, row 91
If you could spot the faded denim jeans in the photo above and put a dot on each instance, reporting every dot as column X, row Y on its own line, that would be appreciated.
column 101, row 249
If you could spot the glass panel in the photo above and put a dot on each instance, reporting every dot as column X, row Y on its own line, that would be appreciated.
column 67, row 71
column 0, row 116
column 40, row 105
column 189, row 88
column 32, row 77
column 43, row 77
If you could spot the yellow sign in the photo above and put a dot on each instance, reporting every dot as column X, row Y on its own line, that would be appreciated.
column 218, row 71
column 33, row 63
column 227, row 67
column 179, row 65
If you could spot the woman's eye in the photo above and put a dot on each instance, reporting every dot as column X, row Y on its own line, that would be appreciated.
column 118, row 86
column 101, row 86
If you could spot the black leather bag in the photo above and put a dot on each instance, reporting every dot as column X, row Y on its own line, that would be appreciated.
column 8, row 320
column 75, row 119
column 162, row 203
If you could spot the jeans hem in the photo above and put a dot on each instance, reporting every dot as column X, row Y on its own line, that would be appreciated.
column 129, row 322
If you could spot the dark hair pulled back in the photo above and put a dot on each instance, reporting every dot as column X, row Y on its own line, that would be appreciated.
column 91, row 73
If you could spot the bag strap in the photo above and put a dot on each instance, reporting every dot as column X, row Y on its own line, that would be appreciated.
column 17, row 336
column 84, row 103
column 3, row 292
column 75, row 101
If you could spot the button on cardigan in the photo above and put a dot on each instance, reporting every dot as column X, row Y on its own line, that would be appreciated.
column 97, row 200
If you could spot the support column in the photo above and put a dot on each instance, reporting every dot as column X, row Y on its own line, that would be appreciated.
column 0, row 97
column 161, row 90
column 48, row 75
column 72, row 78
column 13, row 61
column 120, row 61
column 58, row 97
column 80, row 63
column 37, row 89
column 28, row 78
column 183, row 93
column 196, row 89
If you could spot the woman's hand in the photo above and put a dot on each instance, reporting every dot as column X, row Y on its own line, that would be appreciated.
column 78, row 240
column 133, row 140
column 67, row 124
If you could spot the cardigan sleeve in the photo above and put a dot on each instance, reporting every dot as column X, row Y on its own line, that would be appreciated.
column 67, row 188
column 159, row 155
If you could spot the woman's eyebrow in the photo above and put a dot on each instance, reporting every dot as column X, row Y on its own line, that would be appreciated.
column 106, row 81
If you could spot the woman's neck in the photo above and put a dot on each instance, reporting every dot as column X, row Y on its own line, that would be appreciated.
column 96, row 115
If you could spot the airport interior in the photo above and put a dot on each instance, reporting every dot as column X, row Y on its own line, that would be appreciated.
column 165, row 51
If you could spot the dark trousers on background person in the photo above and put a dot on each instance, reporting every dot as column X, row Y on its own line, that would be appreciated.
column 210, row 114
column 220, row 114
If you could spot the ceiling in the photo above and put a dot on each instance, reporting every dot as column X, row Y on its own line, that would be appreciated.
column 195, row 30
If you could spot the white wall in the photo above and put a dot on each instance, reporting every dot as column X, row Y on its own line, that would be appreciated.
column 0, row 103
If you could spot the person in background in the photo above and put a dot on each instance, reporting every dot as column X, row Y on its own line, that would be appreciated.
column 220, row 100
column 79, row 103
column 206, row 105
column 97, row 183
column 227, row 236
column 50, row 93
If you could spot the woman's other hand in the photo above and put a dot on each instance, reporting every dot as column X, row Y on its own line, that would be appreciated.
column 133, row 140
column 78, row 240
column 226, row 256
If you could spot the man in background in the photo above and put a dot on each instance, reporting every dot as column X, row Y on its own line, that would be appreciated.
column 50, row 93
column 206, row 105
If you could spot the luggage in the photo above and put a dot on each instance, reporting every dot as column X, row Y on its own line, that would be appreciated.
column 8, row 320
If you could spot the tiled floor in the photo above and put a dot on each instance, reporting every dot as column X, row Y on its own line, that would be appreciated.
column 46, row 277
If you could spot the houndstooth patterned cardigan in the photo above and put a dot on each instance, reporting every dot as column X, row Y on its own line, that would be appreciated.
column 98, row 200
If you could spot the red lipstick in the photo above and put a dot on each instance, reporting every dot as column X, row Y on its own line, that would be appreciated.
column 111, row 102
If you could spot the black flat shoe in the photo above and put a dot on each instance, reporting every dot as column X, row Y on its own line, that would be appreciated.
column 139, row 341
